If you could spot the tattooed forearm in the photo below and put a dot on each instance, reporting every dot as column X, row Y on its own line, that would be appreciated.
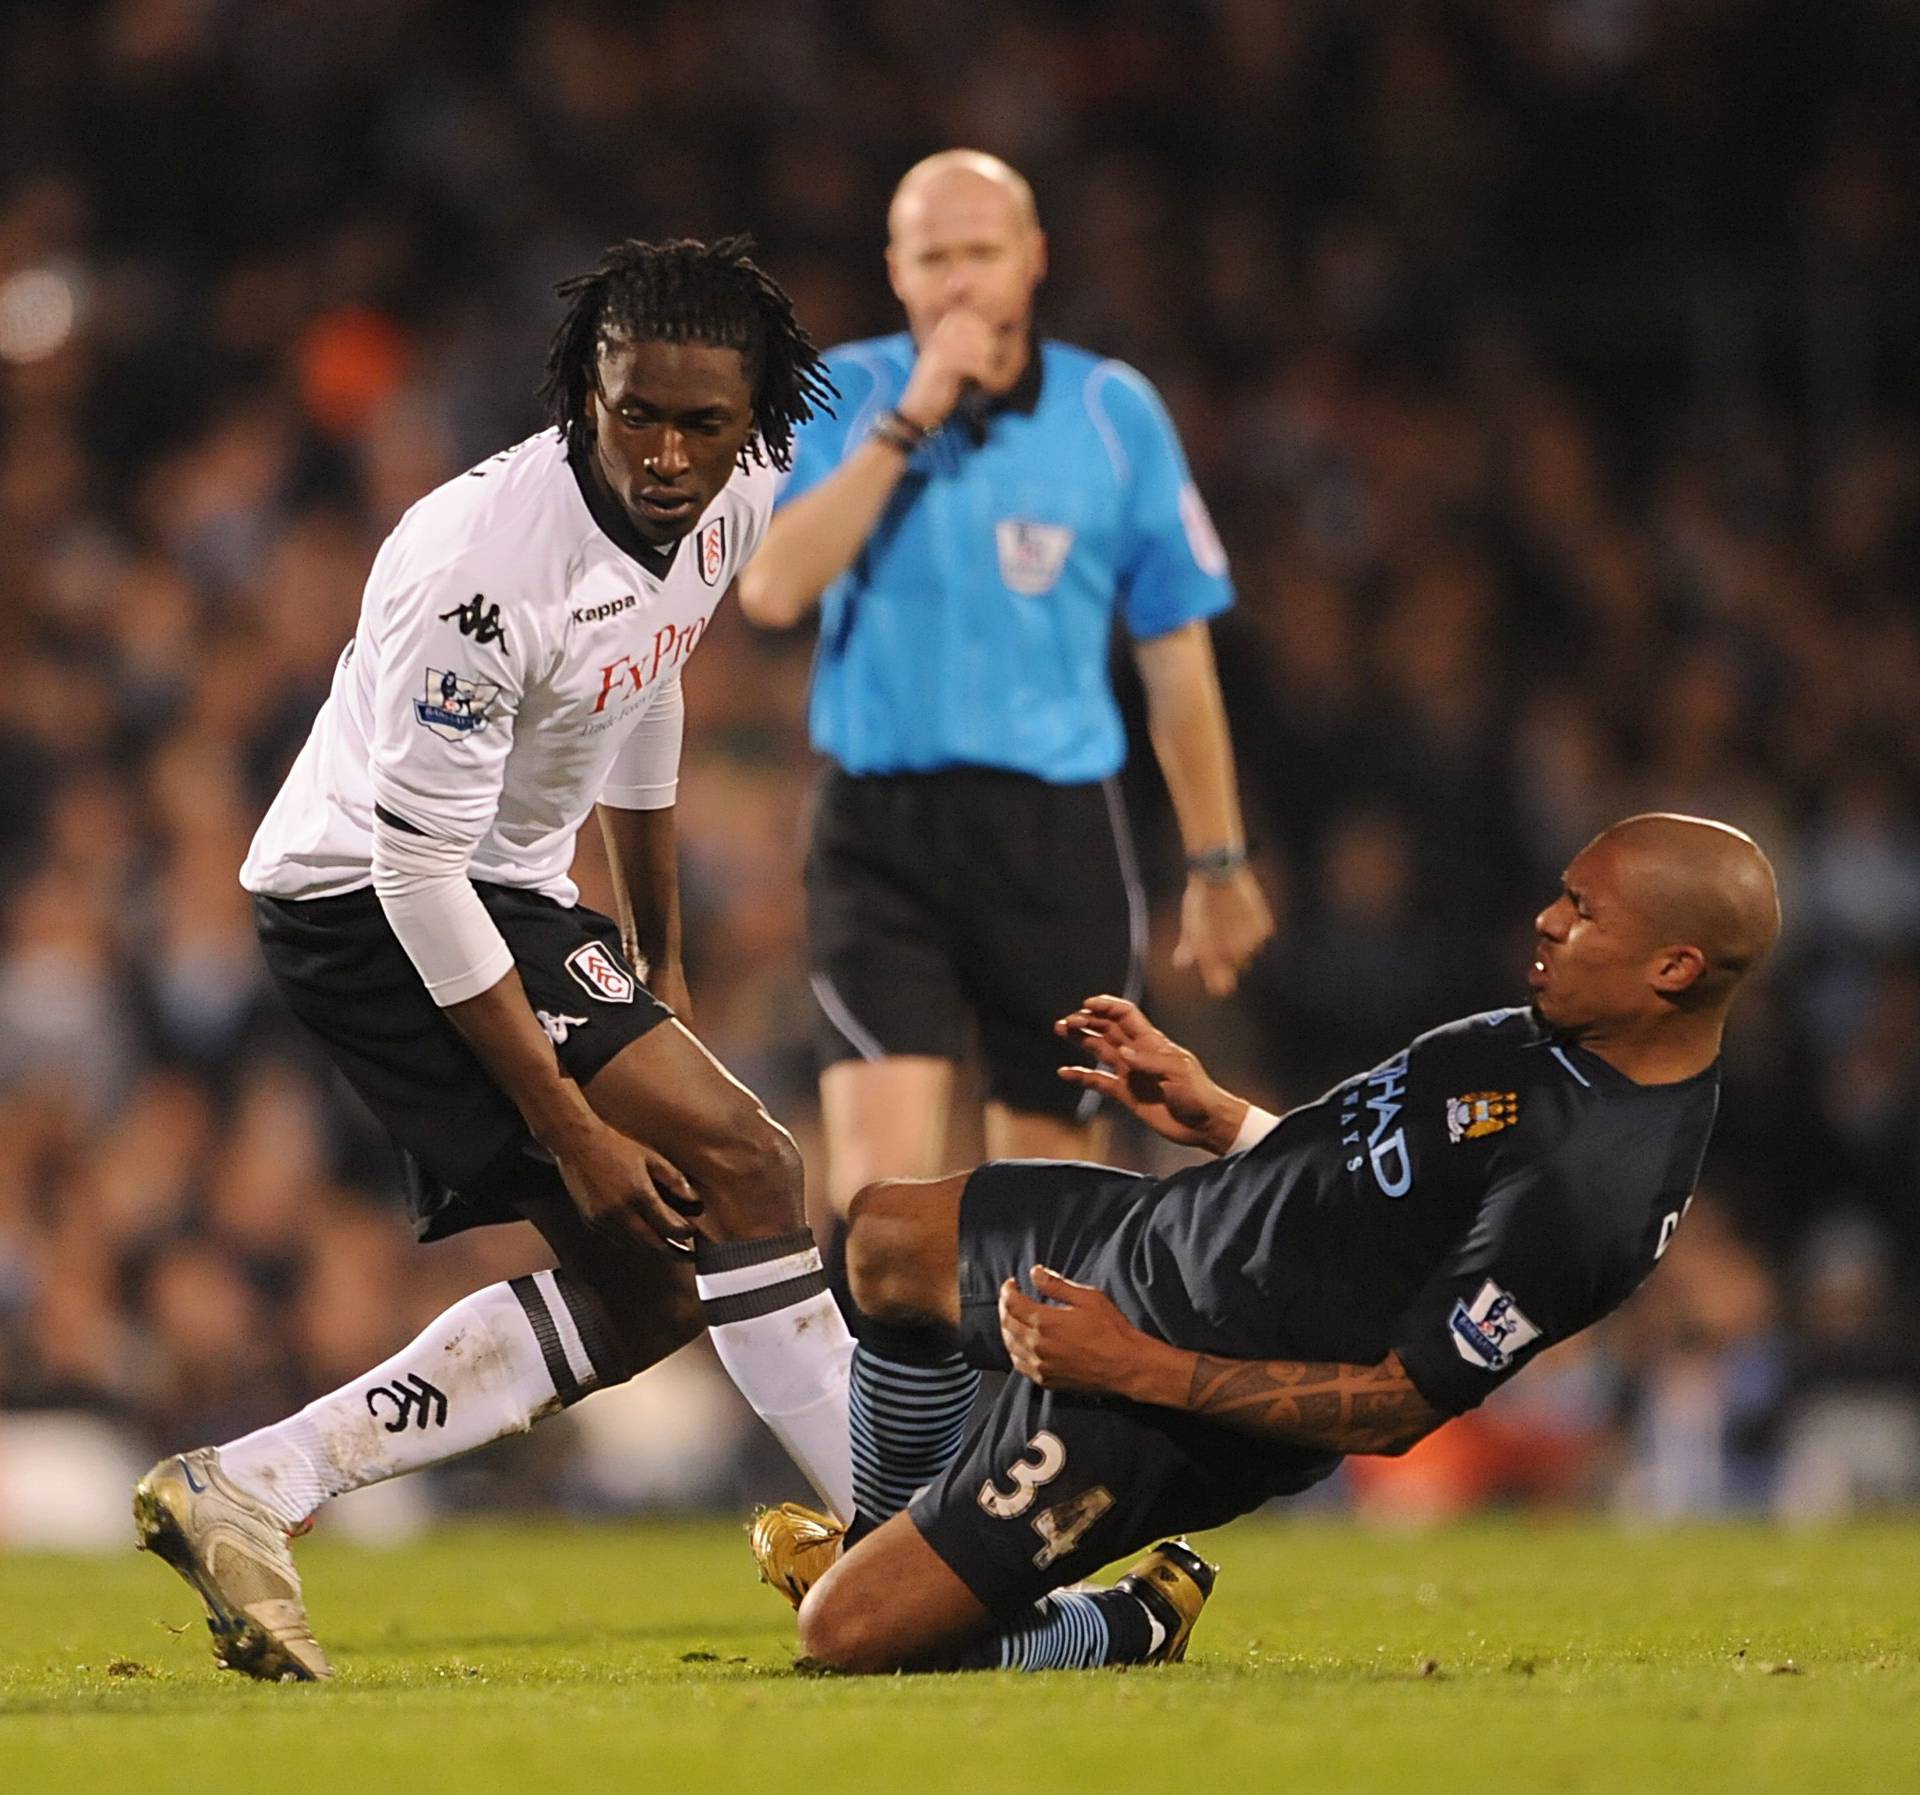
column 1345, row 1408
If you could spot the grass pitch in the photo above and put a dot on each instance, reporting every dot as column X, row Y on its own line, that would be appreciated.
column 1531, row 1657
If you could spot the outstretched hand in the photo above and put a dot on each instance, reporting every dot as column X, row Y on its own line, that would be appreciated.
column 1154, row 1078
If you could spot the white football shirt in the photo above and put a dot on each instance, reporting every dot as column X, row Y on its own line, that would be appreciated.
column 506, row 655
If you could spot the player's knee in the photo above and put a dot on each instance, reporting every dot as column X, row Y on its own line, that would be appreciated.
column 752, row 1180
column 842, row 1632
column 887, row 1271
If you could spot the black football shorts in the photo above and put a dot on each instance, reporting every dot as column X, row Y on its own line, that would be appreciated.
column 464, row 1146
column 970, row 898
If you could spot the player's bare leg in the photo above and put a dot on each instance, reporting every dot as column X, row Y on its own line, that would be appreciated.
column 762, row 1289
column 513, row 1353
column 884, row 1119
column 891, row 1603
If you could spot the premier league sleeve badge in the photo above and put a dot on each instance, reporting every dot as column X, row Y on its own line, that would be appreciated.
column 454, row 705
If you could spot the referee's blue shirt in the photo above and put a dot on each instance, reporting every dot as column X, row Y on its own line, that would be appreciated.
column 973, row 628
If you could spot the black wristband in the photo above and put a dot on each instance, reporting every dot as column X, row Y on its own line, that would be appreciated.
column 898, row 432
column 1218, row 864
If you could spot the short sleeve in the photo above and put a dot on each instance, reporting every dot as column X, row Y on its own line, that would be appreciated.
column 1173, row 570
column 1517, row 1283
column 449, row 677
column 826, row 438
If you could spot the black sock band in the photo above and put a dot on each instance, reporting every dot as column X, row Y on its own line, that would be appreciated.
column 910, row 1343
column 533, row 1300
column 611, row 1362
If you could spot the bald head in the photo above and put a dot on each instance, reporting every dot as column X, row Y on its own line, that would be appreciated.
column 964, row 177
column 1697, row 883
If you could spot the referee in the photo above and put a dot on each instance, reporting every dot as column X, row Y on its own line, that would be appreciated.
column 969, row 524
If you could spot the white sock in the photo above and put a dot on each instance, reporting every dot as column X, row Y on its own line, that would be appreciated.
column 779, row 1334
column 493, row 1364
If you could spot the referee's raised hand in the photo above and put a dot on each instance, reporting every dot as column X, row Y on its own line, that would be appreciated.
column 958, row 352
column 622, row 1187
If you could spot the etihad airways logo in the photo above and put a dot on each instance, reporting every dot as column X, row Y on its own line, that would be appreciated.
column 1370, row 1127
column 630, row 675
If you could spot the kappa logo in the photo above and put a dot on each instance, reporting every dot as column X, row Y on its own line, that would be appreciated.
column 558, row 1026
column 599, row 974
column 1488, row 1331
column 1031, row 554
column 713, row 550
column 479, row 620
column 600, row 613
column 1480, row 1113
column 455, row 705
column 414, row 1400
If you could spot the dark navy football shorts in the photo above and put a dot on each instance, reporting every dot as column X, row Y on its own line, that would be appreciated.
column 1050, row 1487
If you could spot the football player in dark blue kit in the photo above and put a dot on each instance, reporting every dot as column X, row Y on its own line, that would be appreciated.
column 1340, row 1280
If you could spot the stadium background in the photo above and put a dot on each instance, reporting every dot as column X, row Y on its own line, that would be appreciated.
column 1550, row 367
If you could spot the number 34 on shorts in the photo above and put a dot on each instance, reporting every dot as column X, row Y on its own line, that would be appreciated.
column 1060, row 1527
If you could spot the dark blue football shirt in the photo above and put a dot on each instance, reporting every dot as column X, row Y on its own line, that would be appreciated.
column 1489, row 1190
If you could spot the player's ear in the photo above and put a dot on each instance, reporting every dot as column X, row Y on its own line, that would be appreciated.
column 1677, row 971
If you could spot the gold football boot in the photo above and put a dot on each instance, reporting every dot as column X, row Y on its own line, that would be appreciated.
column 233, row 1551
column 1173, row 1582
column 793, row 1546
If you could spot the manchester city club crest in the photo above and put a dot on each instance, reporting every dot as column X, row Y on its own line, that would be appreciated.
column 713, row 550
column 1031, row 554
column 1481, row 1112
column 455, row 705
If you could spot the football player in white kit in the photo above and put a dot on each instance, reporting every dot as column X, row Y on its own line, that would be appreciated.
column 518, row 659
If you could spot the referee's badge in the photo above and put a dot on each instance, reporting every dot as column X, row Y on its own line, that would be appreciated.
column 713, row 550
column 1031, row 555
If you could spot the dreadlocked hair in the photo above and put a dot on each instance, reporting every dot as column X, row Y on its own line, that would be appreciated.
column 687, row 292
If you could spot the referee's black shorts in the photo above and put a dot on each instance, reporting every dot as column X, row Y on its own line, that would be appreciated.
column 1050, row 1487
column 970, row 895
column 464, row 1146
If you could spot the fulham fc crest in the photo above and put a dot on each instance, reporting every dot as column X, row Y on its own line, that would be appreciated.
column 599, row 974
column 713, row 550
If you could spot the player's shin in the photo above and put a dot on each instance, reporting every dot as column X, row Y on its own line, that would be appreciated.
column 911, row 1397
column 493, row 1364
column 780, row 1336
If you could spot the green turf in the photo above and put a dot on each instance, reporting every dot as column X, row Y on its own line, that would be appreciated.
column 1525, row 1657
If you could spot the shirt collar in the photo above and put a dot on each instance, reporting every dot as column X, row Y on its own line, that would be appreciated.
column 614, row 523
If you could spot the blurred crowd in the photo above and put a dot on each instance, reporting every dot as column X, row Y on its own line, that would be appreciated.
column 1549, row 365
